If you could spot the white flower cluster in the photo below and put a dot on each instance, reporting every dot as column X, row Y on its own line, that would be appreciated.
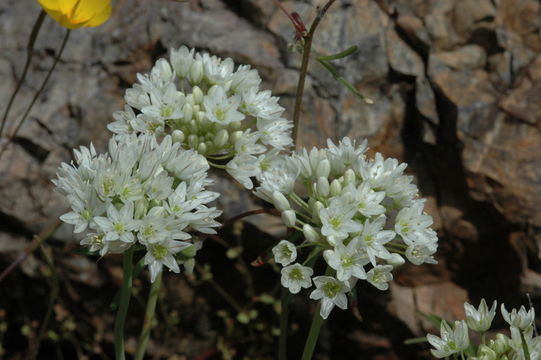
column 361, row 213
column 454, row 339
column 208, row 106
column 141, row 192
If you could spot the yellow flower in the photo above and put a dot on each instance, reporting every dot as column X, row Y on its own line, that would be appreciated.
column 74, row 14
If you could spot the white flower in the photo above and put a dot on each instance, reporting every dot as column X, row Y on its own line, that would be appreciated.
column 347, row 261
column 453, row 339
column 165, row 104
column 480, row 319
column 119, row 224
column 84, row 211
column 221, row 109
column 380, row 276
column 337, row 219
column 181, row 60
column 345, row 154
column 331, row 292
column 420, row 253
column 160, row 254
column 412, row 224
column 520, row 319
column 296, row 276
column 373, row 239
column 367, row 201
column 284, row 253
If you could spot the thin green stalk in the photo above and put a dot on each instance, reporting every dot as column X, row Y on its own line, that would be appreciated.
column 125, row 294
column 29, row 55
column 313, row 335
column 43, row 84
column 149, row 317
column 307, row 48
column 284, row 315
column 525, row 347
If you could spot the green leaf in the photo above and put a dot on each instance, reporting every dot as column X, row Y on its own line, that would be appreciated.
column 340, row 55
column 343, row 81
column 417, row 340
column 433, row 319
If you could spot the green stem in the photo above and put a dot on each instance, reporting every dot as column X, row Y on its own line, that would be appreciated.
column 125, row 294
column 149, row 317
column 313, row 335
column 40, row 90
column 29, row 55
column 284, row 314
column 307, row 48
column 525, row 347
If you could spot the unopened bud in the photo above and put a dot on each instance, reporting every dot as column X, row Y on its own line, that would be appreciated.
column 196, row 72
column 349, row 177
column 197, row 95
column 178, row 136
column 193, row 141
column 316, row 206
column 336, row 188
column 323, row 168
column 310, row 233
column 221, row 138
column 280, row 201
column 202, row 148
column 289, row 218
column 187, row 112
column 322, row 186
column 236, row 136
column 396, row 260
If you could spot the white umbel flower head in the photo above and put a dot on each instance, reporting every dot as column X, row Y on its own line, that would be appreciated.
column 361, row 214
column 141, row 191
column 211, row 108
column 480, row 319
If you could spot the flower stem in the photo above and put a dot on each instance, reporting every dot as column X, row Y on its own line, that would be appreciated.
column 304, row 67
column 125, row 294
column 284, row 314
column 29, row 55
column 313, row 335
column 149, row 317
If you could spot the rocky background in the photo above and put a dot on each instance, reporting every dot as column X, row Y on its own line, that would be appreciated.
column 457, row 91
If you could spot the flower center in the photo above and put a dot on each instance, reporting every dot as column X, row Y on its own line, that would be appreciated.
column 286, row 252
column 296, row 274
column 158, row 251
column 167, row 111
column 347, row 261
column 331, row 289
column 118, row 227
column 335, row 222
column 87, row 215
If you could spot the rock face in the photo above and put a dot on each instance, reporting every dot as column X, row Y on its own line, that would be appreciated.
column 457, row 92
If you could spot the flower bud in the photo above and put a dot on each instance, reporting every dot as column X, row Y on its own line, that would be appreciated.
column 486, row 353
column 189, row 251
column 289, row 218
column 178, row 136
column 323, row 168
column 200, row 116
column 221, row 138
column 310, row 233
column 196, row 72
column 235, row 125
column 202, row 148
column 349, row 177
column 193, row 141
column 236, row 136
column 280, row 201
column 396, row 260
column 336, row 188
column 227, row 85
column 316, row 206
column 322, row 186
column 500, row 344
column 189, row 100
column 187, row 111
column 197, row 95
